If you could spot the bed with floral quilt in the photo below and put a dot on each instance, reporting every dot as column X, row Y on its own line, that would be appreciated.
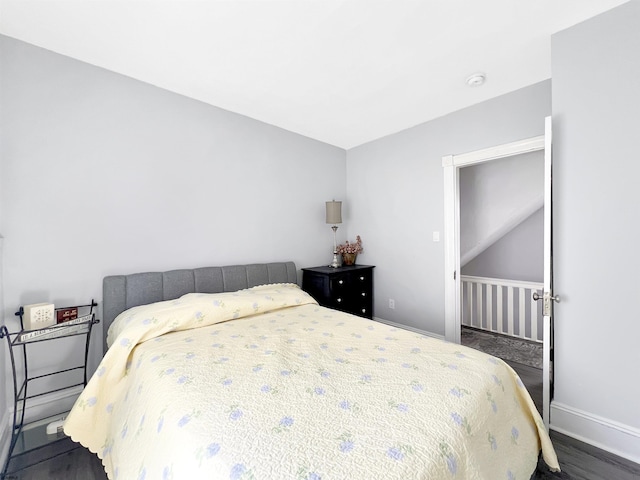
column 263, row 383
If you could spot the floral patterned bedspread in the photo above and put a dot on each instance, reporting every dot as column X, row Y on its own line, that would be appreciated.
column 265, row 384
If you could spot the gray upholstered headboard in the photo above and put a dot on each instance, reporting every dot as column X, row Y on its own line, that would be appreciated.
column 121, row 292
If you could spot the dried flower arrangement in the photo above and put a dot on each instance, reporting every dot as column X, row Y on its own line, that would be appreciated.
column 351, row 247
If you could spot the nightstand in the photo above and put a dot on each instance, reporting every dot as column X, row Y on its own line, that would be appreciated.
column 28, row 439
column 347, row 288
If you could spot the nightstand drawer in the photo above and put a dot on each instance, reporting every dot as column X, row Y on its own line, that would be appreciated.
column 339, row 284
column 363, row 278
column 363, row 310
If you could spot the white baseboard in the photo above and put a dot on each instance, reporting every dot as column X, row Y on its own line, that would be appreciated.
column 406, row 327
column 606, row 434
column 51, row 404
column 5, row 436
column 37, row 408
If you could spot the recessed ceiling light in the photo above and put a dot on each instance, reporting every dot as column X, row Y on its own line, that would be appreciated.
column 476, row 79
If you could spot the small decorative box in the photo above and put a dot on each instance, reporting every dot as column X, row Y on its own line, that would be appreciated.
column 38, row 315
column 66, row 314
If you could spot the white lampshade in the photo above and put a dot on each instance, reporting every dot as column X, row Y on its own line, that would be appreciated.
column 334, row 212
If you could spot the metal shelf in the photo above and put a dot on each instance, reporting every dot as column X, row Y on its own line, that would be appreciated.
column 28, row 438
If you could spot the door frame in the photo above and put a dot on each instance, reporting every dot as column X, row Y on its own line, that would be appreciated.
column 452, row 286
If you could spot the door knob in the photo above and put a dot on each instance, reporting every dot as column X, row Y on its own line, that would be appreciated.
column 537, row 297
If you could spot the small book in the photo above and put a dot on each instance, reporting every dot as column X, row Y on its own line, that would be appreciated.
column 61, row 332
column 76, row 325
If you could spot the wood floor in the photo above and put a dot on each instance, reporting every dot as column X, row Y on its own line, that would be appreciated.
column 76, row 463
column 578, row 460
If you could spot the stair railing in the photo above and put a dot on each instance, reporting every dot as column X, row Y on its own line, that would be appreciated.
column 502, row 306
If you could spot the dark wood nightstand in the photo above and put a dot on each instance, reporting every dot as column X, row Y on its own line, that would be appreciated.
column 347, row 288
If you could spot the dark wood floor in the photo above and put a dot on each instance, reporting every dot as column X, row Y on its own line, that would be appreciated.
column 532, row 378
column 75, row 463
column 578, row 460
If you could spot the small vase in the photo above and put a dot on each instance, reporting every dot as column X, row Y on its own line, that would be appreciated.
column 349, row 258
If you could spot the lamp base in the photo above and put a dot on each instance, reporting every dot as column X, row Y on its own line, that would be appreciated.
column 336, row 262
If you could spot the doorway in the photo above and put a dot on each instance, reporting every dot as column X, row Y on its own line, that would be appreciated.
column 452, row 165
column 501, row 257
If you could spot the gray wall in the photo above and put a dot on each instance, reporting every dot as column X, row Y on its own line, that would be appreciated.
column 519, row 255
column 395, row 190
column 4, row 355
column 102, row 174
column 596, row 111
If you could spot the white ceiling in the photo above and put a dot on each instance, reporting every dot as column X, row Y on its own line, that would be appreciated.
column 343, row 72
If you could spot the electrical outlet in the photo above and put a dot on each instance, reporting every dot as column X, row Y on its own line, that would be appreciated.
column 392, row 303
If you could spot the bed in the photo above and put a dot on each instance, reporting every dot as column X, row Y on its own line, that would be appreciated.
column 236, row 373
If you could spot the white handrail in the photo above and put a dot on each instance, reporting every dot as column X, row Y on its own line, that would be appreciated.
column 502, row 306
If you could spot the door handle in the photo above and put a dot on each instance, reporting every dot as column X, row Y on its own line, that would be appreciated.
column 546, row 303
column 546, row 296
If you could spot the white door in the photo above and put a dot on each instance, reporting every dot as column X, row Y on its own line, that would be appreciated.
column 451, row 166
column 547, row 295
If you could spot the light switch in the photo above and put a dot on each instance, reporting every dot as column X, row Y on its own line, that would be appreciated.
column 436, row 236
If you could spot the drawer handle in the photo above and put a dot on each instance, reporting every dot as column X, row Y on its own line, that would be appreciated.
column 364, row 294
column 338, row 300
column 340, row 282
column 361, row 278
column 364, row 310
